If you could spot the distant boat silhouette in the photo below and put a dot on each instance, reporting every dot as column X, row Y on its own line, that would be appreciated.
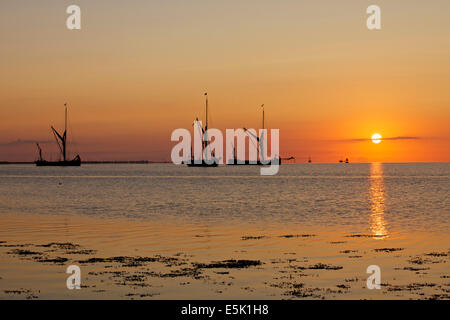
column 259, row 140
column 61, row 140
column 235, row 161
column 210, row 162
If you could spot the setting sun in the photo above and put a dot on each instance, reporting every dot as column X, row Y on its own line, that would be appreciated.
column 376, row 138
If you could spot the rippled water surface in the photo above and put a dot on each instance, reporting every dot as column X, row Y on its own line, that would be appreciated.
column 311, row 230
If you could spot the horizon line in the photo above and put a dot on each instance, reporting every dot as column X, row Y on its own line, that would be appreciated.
column 170, row 162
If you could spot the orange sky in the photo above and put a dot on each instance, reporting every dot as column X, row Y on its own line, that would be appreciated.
column 137, row 71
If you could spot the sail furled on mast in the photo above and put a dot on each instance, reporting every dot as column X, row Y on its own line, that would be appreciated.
column 62, row 138
column 40, row 151
column 61, row 142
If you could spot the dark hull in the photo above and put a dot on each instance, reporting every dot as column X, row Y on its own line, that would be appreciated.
column 248, row 163
column 244, row 163
column 202, row 164
column 70, row 163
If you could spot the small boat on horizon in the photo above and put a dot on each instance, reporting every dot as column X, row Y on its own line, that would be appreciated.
column 61, row 140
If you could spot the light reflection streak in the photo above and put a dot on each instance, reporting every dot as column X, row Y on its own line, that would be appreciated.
column 377, row 199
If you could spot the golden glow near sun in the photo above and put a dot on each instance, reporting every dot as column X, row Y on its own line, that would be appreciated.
column 376, row 138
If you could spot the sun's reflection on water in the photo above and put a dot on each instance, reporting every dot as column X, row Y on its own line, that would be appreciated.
column 377, row 199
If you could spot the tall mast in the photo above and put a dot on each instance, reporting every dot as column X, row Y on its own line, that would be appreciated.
column 205, row 138
column 65, row 132
column 261, row 138
column 65, row 121
column 262, row 106
column 206, row 95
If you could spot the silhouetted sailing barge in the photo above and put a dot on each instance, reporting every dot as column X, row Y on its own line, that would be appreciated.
column 213, row 162
column 61, row 140
column 259, row 147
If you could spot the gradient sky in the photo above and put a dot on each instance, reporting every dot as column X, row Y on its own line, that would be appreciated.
column 138, row 69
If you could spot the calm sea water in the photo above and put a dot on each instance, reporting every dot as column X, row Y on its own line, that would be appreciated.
column 404, row 196
column 320, row 212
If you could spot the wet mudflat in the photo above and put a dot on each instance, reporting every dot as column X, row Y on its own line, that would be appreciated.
column 271, row 266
